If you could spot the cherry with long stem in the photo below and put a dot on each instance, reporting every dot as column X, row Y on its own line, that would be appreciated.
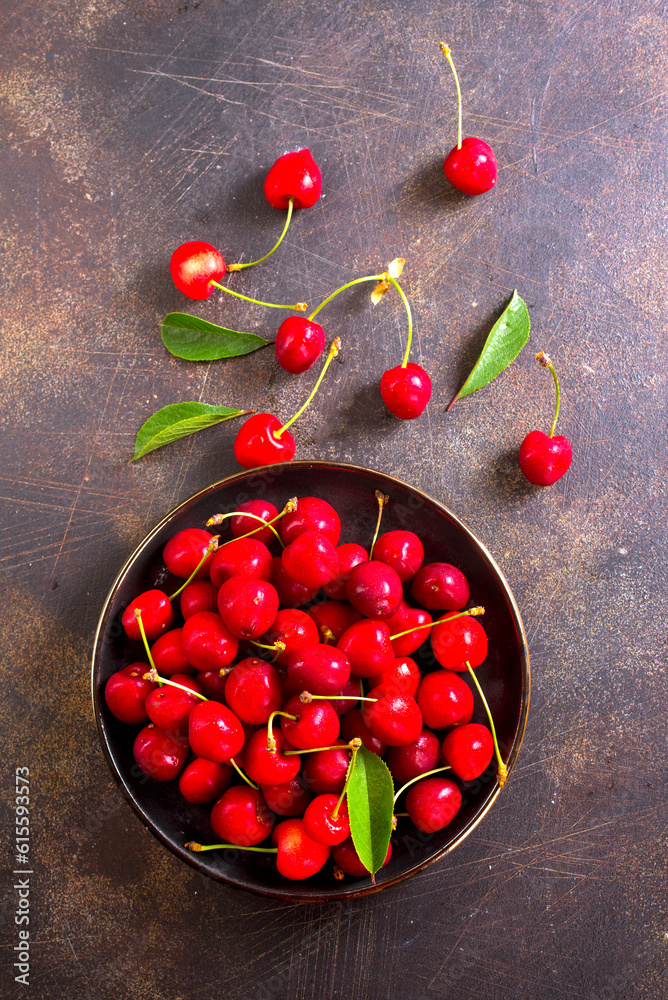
column 405, row 389
column 241, row 267
column 470, row 165
column 545, row 458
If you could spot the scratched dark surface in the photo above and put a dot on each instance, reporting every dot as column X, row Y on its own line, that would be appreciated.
column 129, row 128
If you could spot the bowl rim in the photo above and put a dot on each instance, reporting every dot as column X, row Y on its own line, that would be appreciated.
column 341, row 891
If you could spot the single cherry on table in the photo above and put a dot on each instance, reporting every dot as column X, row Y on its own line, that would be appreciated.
column 545, row 458
column 470, row 166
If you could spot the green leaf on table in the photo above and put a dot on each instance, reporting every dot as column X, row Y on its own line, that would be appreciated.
column 196, row 339
column 176, row 421
column 505, row 341
column 370, row 808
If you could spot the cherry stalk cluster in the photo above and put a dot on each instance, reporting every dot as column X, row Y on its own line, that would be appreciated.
column 279, row 719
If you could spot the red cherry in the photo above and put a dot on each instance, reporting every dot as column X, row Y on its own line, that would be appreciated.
column 367, row 645
column 207, row 641
column 288, row 799
column 200, row 595
column 442, row 587
column 468, row 750
column 350, row 555
column 214, row 732
column 433, row 803
column 247, row 606
column 422, row 755
column 319, row 669
column 294, row 629
column 374, row 589
column 290, row 593
column 316, row 725
column 294, row 175
column 170, row 707
column 185, row 550
column 347, row 859
column 402, row 550
column 159, row 754
column 353, row 725
column 348, row 697
column 299, row 344
column 325, row 770
column 298, row 855
column 472, row 168
column 545, row 459
column 311, row 514
column 194, row 266
column 241, row 557
column 453, row 641
column 212, row 684
column 333, row 616
column 403, row 674
column 393, row 717
column 311, row 559
column 270, row 767
column 157, row 615
column 319, row 822
column 405, row 618
column 256, row 443
column 241, row 817
column 445, row 699
column 241, row 525
column 254, row 690
column 406, row 390
column 204, row 780
column 126, row 691
column 168, row 656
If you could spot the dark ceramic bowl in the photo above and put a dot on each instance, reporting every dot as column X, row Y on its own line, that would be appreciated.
column 504, row 675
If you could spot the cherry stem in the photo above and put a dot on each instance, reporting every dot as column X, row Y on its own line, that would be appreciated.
column 393, row 281
column 242, row 775
column 153, row 675
column 240, row 267
column 349, row 284
column 193, row 846
column 445, row 49
column 333, row 351
column 354, row 744
column 278, row 646
column 351, row 767
column 290, row 506
column 298, row 306
column 327, row 634
column 271, row 739
column 306, row 697
column 382, row 500
column 144, row 639
column 544, row 360
column 211, row 547
column 502, row 770
column 418, row 777
column 472, row 612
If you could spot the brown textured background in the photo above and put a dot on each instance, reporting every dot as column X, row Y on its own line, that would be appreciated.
column 128, row 128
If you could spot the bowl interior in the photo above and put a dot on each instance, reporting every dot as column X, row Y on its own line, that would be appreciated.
column 504, row 676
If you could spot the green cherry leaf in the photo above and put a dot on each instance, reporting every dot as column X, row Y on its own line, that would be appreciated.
column 370, row 808
column 176, row 421
column 505, row 341
column 196, row 339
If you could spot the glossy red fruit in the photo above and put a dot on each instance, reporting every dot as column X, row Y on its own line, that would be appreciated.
column 214, row 732
column 442, row 587
column 405, row 618
column 293, row 628
column 207, row 642
column 126, row 691
column 406, row 391
column 212, row 684
column 294, row 175
column 169, row 707
column 241, row 817
column 311, row 559
column 403, row 674
column 289, row 799
column 350, row 555
column 311, row 514
column 298, row 855
column 334, row 617
column 168, row 656
column 254, row 690
column 468, row 750
column 270, row 768
column 247, row 606
column 256, row 443
column 433, row 803
column 402, row 550
column 241, row 525
column 423, row 754
column 290, row 593
column 320, row 669
column 347, row 859
column 445, row 699
column 200, row 595
column 545, row 459
column 348, row 697
column 159, row 754
column 471, row 169
column 204, row 780
column 194, row 265
column 320, row 824
column 157, row 615
column 367, row 645
column 299, row 344
column 374, row 589
column 325, row 770
column 457, row 640
column 393, row 717
column 316, row 725
column 353, row 726
column 185, row 550
column 241, row 557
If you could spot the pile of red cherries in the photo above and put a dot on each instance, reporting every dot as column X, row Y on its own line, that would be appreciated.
column 264, row 672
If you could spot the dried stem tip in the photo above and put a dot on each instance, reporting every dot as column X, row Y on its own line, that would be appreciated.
column 543, row 359
column 475, row 612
